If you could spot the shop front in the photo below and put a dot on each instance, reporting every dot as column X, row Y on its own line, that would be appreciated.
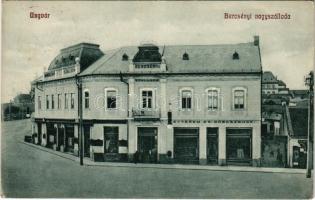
column 147, row 144
column 186, row 145
column 212, row 146
column 239, row 146
column 111, row 143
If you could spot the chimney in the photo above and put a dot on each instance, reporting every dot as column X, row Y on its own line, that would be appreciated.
column 256, row 40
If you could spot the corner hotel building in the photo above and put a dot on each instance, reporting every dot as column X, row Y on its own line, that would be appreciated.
column 196, row 104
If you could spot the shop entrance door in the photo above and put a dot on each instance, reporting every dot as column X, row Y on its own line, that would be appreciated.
column 186, row 148
column 39, row 134
column 239, row 146
column 147, row 144
column 86, row 148
column 212, row 145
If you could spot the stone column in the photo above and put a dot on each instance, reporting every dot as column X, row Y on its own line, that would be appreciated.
column 76, row 137
column 162, row 142
column 163, row 100
column 203, row 145
column 132, row 141
column 44, row 134
column 256, row 145
column 222, row 145
column 131, row 95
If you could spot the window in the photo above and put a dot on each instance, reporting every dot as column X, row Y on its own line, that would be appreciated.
column 111, row 99
column 52, row 102
column 111, row 139
column 213, row 99
column 66, row 101
column 86, row 99
column 239, row 99
column 39, row 102
column 185, row 56
column 59, row 101
column 125, row 57
column 186, row 99
column 72, row 100
column 47, row 102
column 147, row 97
column 235, row 56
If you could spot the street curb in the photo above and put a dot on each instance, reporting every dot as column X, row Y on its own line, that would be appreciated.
column 169, row 166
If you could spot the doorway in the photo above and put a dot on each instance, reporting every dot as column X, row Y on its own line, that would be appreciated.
column 39, row 134
column 86, row 140
column 186, row 145
column 147, row 144
column 212, row 145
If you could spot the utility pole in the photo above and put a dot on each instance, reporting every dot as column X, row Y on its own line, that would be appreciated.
column 80, row 113
column 309, row 81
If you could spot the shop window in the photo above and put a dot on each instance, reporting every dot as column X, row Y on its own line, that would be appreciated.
column 47, row 102
column 66, row 101
column 147, row 98
column 111, row 99
column 86, row 99
column 39, row 102
column 72, row 100
column 213, row 99
column 239, row 145
column 239, row 99
column 111, row 139
column 186, row 99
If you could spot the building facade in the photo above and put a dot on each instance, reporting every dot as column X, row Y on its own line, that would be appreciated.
column 154, row 104
column 271, row 85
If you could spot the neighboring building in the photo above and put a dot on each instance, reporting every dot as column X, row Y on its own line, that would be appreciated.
column 21, row 107
column 271, row 85
column 167, row 104
column 298, row 125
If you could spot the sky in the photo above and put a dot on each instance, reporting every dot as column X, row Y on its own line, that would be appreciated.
column 29, row 45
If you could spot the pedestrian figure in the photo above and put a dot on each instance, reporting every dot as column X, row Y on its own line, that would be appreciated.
column 136, row 157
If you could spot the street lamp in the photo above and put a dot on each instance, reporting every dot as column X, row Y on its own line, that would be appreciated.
column 309, row 81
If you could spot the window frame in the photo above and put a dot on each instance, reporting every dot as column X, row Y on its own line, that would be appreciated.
column 72, row 101
column 52, row 101
column 111, row 89
column 86, row 105
column 59, row 101
column 181, row 90
column 39, row 102
column 245, row 98
column 66, row 101
column 47, row 102
column 111, row 134
column 153, row 102
column 218, row 98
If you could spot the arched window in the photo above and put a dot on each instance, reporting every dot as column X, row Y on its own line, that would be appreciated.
column 125, row 57
column 86, row 99
column 235, row 56
column 185, row 56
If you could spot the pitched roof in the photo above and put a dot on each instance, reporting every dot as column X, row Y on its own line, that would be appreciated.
column 202, row 58
column 268, row 77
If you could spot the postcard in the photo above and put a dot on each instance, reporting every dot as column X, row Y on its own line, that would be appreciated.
column 157, row 99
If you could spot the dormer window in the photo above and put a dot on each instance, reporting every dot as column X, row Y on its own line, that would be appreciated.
column 125, row 57
column 235, row 56
column 185, row 56
column 71, row 57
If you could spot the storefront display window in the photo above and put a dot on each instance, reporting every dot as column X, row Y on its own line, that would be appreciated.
column 111, row 139
column 239, row 145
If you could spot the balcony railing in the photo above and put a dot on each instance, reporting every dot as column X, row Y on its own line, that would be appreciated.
column 60, row 73
column 140, row 113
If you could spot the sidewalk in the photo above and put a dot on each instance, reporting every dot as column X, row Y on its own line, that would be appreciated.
column 89, row 162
